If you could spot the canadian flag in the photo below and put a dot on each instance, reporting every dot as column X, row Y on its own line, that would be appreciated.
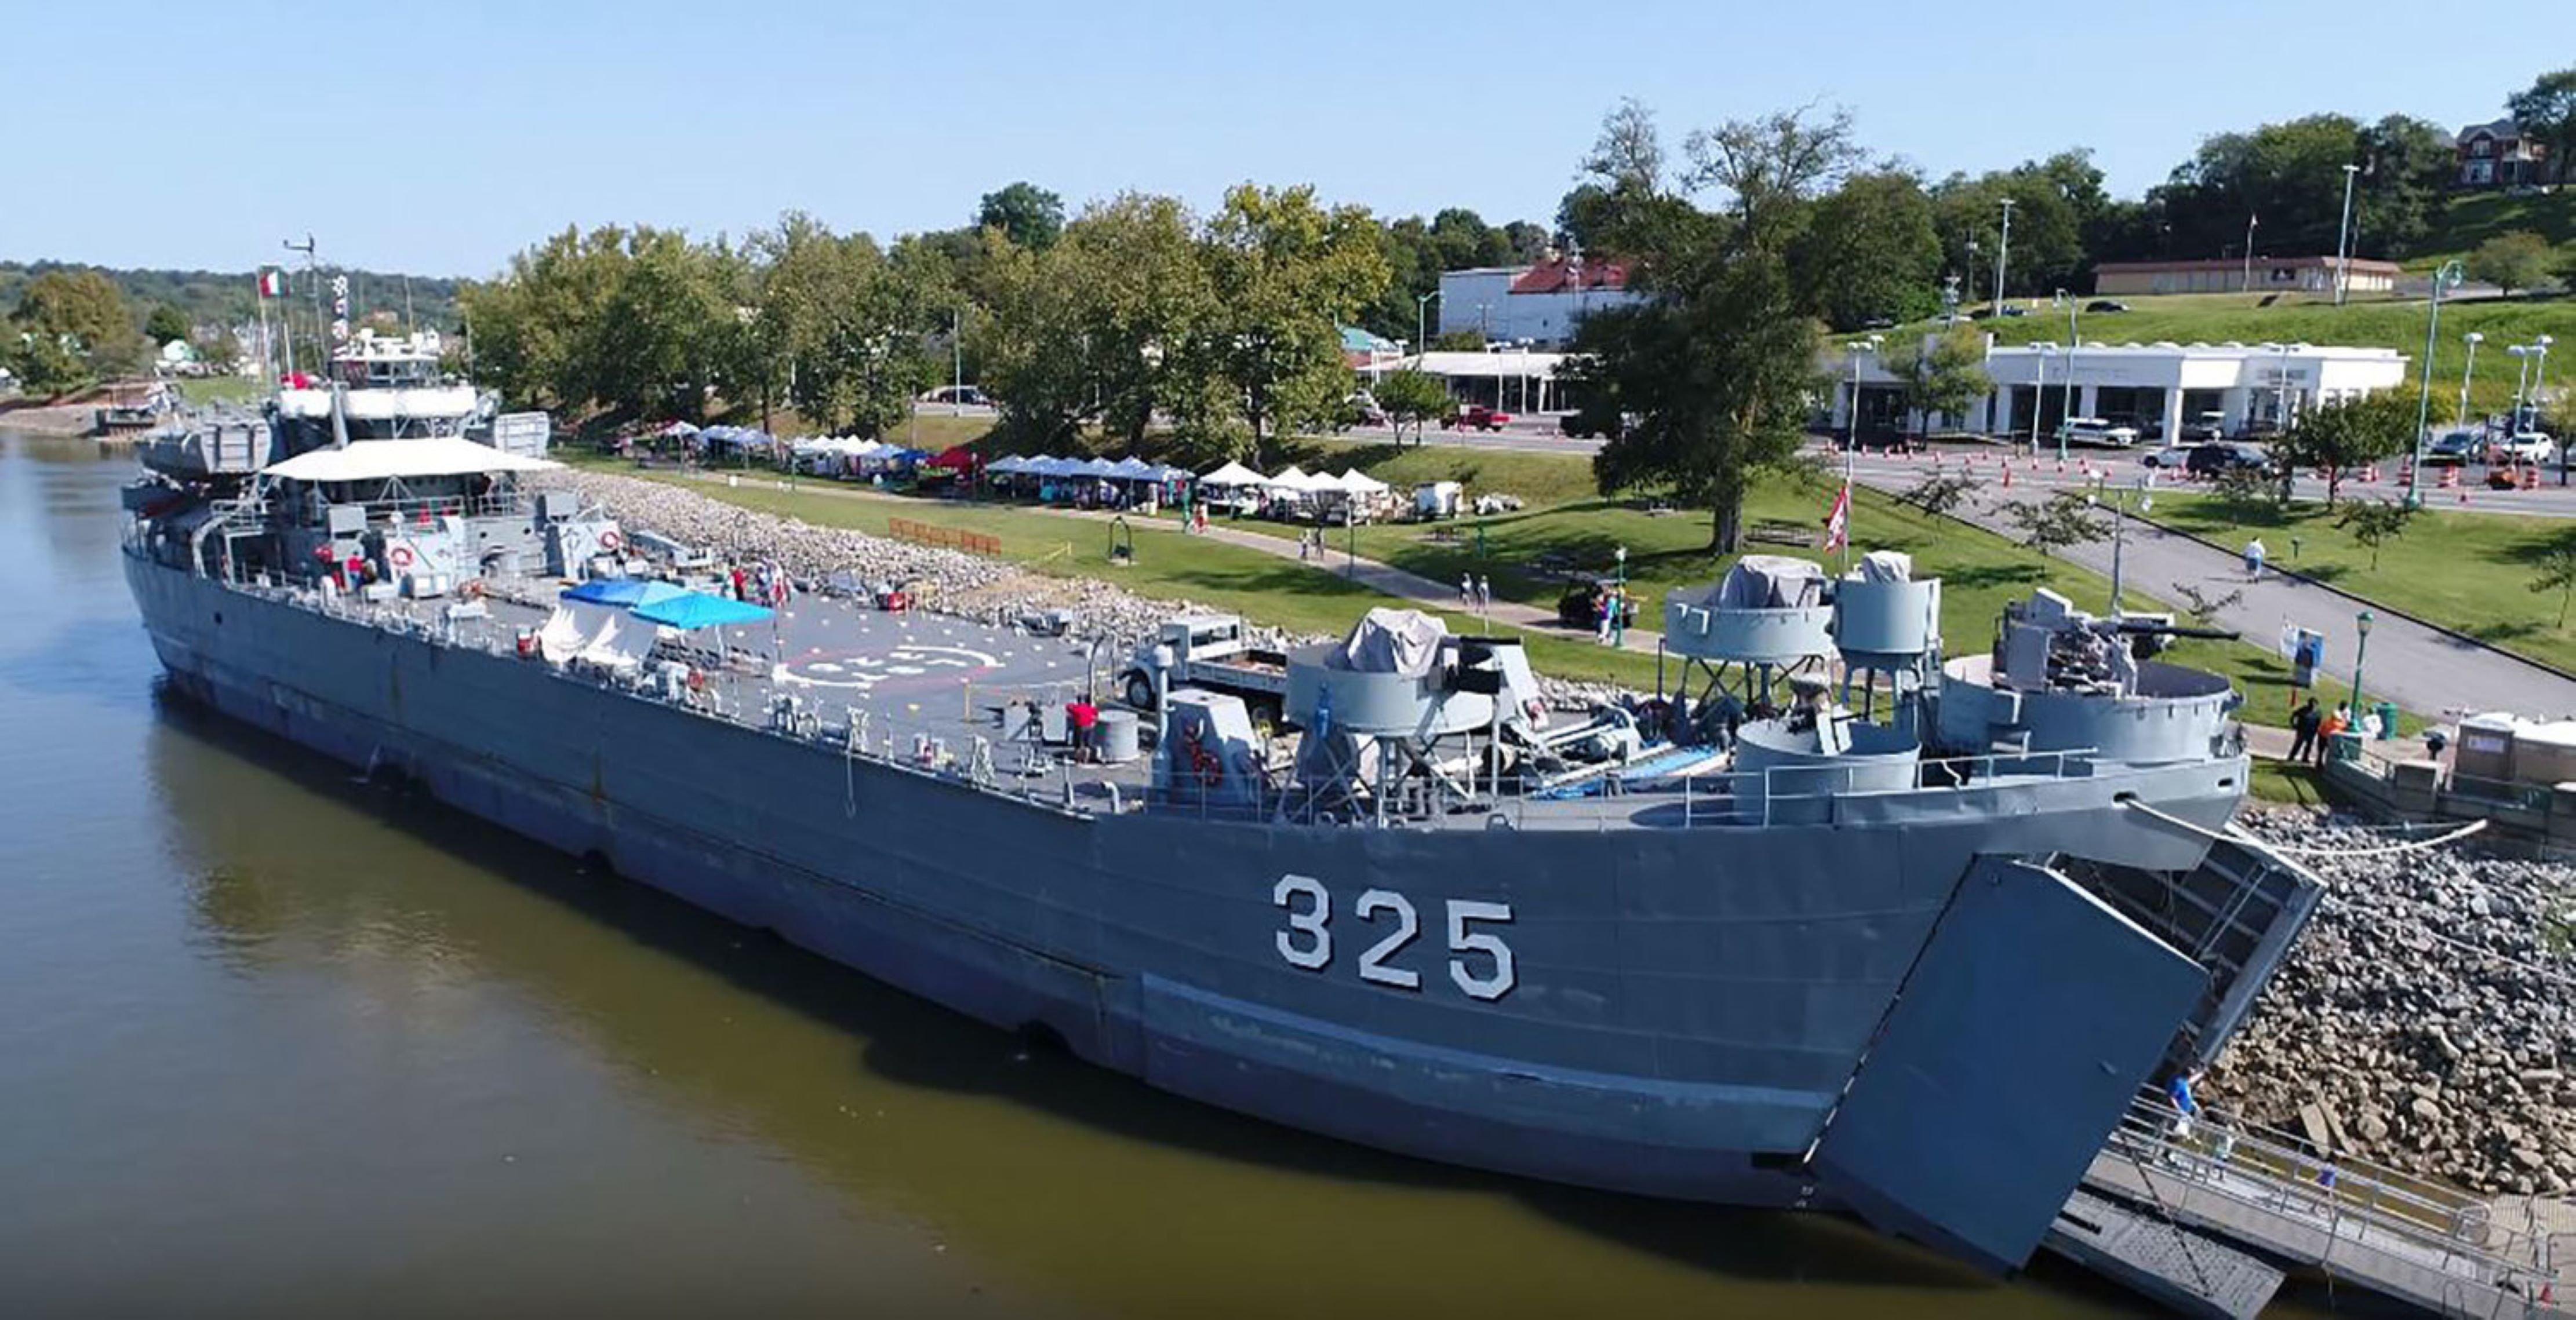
column 1838, row 522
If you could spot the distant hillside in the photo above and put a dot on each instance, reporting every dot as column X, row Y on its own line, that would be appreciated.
column 2473, row 218
column 224, row 297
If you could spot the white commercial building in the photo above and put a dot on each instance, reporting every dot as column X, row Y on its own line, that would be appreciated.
column 2153, row 387
column 1538, row 304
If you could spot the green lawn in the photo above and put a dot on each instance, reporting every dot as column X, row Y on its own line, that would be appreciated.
column 2288, row 783
column 2469, row 571
column 2473, row 218
column 220, row 389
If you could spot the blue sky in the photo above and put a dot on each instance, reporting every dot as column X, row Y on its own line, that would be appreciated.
column 440, row 137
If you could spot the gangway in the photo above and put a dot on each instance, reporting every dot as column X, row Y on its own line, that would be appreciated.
column 2361, row 1224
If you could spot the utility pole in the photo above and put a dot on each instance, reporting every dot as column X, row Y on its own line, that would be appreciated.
column 2343, row 237
column 2247, row 282
column 957, row 361
column 2003, row 256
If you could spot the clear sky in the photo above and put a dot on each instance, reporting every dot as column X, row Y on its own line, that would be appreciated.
column 439, row 137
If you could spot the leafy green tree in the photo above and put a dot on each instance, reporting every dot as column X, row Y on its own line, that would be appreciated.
column 2558, row 573
column 2404, row 184
column 165, row 324
column 46, row 364
column 1870, row 251
column 1285, row 274
column 2341, row 437
column 1028, row 215
column 2547, row 110
column 81, row 311
column 1938, row 493
column 219, row 351
column 1946, row 374
column 2289, row 175
column 1141, row 253
column 2510, row 261
column 1417, row 397
column 2052, row 200
column 1716, row 362
column 2064, row 521
column 2374, row 523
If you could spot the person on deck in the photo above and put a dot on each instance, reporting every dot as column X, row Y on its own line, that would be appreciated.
column 1079, row 718
column 2335, row 723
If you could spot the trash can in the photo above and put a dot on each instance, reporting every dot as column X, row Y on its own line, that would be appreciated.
column 1118, row 737
column 2387, row 720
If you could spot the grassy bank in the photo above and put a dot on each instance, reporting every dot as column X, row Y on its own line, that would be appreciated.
column 2469, row 571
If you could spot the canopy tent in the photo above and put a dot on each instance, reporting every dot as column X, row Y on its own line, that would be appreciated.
column 691, row 610
column 1006, row 465
column 1291, row 477
column 1096, row 467
column 1361, row 483
column 626, row 592
column 1233, row 474
column 601, row 634
column 386, row 460
column 955, row 460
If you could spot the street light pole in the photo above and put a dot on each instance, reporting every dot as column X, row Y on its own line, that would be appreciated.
column 2073, row 342
column 2361, row 652
column 1421, row 326
column 2448, row 274
column 2472, row 339
column 2003, row 256
column 2246, row 285
column 2038, row 391
column 2343, row 235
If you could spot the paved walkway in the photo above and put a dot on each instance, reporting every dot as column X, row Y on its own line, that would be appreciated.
column 2422, row 669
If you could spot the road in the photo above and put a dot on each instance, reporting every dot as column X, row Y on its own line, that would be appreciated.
column 2421, row 668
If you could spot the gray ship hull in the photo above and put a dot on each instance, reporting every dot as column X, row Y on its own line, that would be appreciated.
column 1687, row 1007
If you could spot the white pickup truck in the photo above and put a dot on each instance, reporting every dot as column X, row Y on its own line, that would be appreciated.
column 1209, row 651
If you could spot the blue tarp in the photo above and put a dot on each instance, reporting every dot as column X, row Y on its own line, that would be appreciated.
column 692, row 609
column 629, row 592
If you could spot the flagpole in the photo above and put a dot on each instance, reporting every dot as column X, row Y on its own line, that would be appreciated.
column 267, row 370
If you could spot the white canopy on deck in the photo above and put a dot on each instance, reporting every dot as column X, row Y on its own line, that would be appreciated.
column 385, row 460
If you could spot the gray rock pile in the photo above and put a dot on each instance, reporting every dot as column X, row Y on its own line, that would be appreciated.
column 986, row 590
column 2431, row 1008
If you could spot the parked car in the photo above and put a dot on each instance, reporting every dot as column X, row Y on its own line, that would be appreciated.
column 1478, row 417
column 2011, row 309
column 1580, row 606
column 2525, row 447
column 2455, row 447
column 2210, row 460
column 2205, row 426
column 1361, row 409
column 1878, row 323
column 972, row 396
column 1573, row 426
column 2171, row 458
column 2095, row 431
column 2106, row 305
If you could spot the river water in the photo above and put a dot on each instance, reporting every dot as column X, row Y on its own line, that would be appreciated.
column 274, row 1042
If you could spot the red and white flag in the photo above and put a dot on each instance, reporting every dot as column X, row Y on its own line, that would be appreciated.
column 272, row 284
column 1838, row 522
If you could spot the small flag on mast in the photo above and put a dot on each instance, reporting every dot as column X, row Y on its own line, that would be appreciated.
column 272, row 284
column 1838, row 523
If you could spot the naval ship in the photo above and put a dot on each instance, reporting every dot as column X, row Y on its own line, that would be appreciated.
column 1838, row 922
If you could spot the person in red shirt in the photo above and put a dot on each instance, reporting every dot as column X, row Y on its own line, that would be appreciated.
column 1080, row 716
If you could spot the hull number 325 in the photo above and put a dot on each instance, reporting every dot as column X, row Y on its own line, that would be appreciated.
column 1480, row 964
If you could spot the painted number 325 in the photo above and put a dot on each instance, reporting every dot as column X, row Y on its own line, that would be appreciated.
column 1480, row 963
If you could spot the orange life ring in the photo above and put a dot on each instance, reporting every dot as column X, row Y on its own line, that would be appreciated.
column 1203, row 763
column 610, row 540
column 472, row 590
column 401, row 556
column 697, row 680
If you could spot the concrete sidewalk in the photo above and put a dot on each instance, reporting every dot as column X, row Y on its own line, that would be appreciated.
column 2422, row 669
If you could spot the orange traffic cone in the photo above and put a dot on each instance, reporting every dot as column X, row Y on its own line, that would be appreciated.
column 2531, row 477
column 2007, row 476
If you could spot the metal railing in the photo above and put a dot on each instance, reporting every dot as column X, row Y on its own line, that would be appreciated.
column 2352, row 1202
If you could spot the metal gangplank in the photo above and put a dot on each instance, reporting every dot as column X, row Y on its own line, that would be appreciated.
column 2360, row 1224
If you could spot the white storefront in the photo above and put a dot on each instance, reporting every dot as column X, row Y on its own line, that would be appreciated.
column 2154, row 387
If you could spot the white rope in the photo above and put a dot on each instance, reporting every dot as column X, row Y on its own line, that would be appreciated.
column 2295, row 850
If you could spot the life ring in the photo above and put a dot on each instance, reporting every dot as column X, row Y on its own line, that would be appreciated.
column 401, row 556
column 1205, row 764
column 610, row 540
column 697, row 680
column 472, row 590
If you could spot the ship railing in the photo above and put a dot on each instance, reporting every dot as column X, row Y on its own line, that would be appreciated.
column 2346, row 1197
column 1744, row 798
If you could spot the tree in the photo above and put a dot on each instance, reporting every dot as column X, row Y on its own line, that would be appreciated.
column 219, row 351
column 2340, row 437
column 1870, row 252
column 2288, row 175
column 1938, row 493
column 1284, row 274
column 2547, row 110
column 2407, row 166
column 2374, row 523
column 1715, row 361
column 165, row 324
column 1028, row 215
column 2558, row 573
column 2510, row 261
column 2066, row 520
column 1946, row 374
column 1414, row 396
column 45, row 363
column 2203, row 608
column 80, row 312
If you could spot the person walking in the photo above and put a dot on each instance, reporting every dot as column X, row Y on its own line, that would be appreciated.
column 1466, row 589
column 1484, row 592
column 2304, row 723
column 2254, row 560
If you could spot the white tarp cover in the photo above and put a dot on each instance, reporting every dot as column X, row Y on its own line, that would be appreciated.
column 381, row 460
column 1887, row 566
column 1770, row 582
column 1392, row 641
column 1233, row 474
column 601, row 634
